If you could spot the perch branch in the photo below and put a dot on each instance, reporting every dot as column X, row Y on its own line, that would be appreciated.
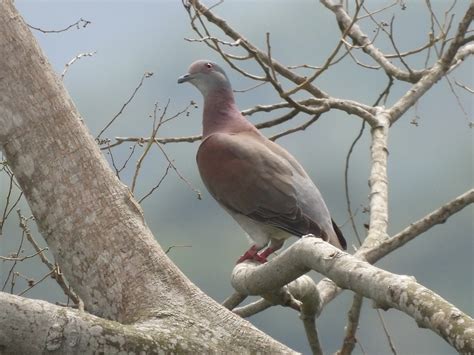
column 388, row 290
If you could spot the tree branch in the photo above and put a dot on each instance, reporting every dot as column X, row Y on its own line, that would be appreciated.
column 388, row 290
column 378, row 181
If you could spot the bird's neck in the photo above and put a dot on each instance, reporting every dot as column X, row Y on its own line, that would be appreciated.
column 221, row 114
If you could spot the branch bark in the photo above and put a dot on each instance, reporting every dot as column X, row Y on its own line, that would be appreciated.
column 35, row 327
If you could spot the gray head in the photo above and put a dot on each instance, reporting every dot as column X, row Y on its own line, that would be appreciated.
column 206, row 76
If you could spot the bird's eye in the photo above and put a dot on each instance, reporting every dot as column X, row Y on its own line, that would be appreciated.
column 209, row 65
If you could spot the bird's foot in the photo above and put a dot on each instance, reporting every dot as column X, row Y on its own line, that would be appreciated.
column 253, row 254
column 249, row 254
column 262, row 257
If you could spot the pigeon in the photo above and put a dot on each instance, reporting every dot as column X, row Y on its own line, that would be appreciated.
column 260, row 184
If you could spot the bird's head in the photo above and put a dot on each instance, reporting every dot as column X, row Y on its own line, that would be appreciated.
column 206, row 76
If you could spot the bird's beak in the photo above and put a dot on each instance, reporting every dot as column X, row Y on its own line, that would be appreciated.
column 184, row 78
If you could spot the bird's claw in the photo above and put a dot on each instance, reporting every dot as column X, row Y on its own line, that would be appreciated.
column 260, row 258
column 256, row 257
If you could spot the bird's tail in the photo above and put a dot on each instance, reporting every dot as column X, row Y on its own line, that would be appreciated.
column 340, row 238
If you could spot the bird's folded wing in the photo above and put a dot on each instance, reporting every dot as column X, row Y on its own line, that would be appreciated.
column 247, row 177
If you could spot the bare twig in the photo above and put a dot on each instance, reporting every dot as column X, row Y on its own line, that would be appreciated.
column 124, row 165
column 249, row 88
column 198, row 193
column 12, row 268
column 392, row 40
column 157, row 185
column 176, row 246
column 33, row 284
column 301, row 127
column 386, row 332
column 207, row 38
column 374, row 12
column 81, row 23
column 468, row 89
column 457, row 98
column 54, row 269
column 149, row 143
column 9, row 207
column 346, row 182
column 351, row 327
column 73, row 60
column 145, row 76
column 15, row 257
column 112, row 159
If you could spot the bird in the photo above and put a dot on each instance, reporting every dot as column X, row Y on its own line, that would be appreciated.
column 259, row 183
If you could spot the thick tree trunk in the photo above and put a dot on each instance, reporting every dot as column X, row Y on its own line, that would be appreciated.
column 91, row 222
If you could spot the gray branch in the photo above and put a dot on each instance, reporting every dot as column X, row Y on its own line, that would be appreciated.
column 388, row 290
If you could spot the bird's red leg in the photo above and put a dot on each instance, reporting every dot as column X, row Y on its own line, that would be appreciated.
column 262, row 257
column 275, row 244
column 249, row 254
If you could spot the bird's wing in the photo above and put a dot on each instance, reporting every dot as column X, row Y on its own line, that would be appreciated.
column 247, row 177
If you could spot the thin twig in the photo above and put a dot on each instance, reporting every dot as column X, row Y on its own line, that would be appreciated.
column 386, row 332
column 10, row 272
column 207, row 38
column 176, row 246
column 22, row 258
column 132, row 151
column 295, row 129
column 353, row 317
column 81, row 23
column 33, row 284
column 149, row 143
column 198, row 193
column 73, row 60
column 392, row 40
column 157, row 185
column 468, row 89
column 58, row 276
column 145, row 76
column 250, row 88
column 457, row 98
column 346, row 182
